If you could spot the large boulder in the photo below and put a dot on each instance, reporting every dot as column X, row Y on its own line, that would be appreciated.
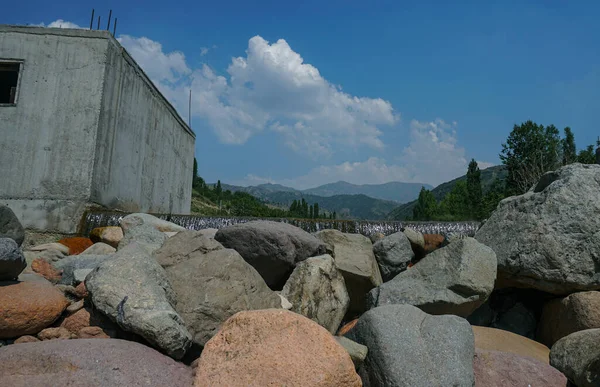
column 274, row 347
column 505, row 369
column 492, row 339
column 134, row 220
column 417, row 241
column 133, row 290
column 353, row 255
column 144, row 235
column 70, row 264
column 563, row 316
column 28, row 306
column 455, row 279
column 547, row 238
column 12, row 261
column 272, row 248
column 10, row 227
column 578, row 357
column 393, row 254
column 408, row 347
column 211, row 283
column 316, row 289
column 89, row 362
column 99, row 248
column 179, row 248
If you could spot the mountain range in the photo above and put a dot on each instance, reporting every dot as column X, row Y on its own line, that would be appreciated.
column 349, row 201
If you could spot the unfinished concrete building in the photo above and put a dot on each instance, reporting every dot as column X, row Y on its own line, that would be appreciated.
column 80, row 123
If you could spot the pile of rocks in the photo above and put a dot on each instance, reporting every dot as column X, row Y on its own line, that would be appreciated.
column 266, row 303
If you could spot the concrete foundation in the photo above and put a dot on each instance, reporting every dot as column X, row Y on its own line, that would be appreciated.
column 87, row 126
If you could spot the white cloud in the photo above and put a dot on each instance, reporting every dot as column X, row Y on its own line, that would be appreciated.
column 160, row 67
column 271, row 88
column 60, row 23
column 432, row 157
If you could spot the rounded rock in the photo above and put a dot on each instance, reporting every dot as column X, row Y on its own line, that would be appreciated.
column 268, row 347
column 28, row 307
column 12, row 261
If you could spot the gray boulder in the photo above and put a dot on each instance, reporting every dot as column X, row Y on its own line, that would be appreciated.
column 393, row 254
column 144, row 235
column 272, row 248
column 316, row 290
column 133, row 290
column 455, row 279
column 408, row 347
column 179, row 247
column 12, row 261
column 10, row 227
column 211, row 284
column 77, row 262
column 354, row 258
column 99, row 248
column 578, row 357
column 416, row 239
column 548, row 238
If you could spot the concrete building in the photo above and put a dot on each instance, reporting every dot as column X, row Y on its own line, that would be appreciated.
column 81, row 124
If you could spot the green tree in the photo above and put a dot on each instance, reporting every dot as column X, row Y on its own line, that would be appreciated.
column 530, row 151
column 587, row 155
column 455, row 206
column 334, row 215
column 569, row 151
column 492, row 197
column 316, row 210
column 426, row 207
column 218, row 189
column 311, row 212
column 474, row 192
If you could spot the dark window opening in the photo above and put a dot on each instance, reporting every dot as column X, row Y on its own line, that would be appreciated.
column 9, row 75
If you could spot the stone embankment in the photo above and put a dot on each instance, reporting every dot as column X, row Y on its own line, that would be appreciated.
column 266, row 303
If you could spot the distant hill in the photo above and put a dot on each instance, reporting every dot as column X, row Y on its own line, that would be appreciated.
column 488, row 176
column 346, row 206
column 395, row 191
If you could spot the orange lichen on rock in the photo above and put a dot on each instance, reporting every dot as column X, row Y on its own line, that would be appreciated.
column 433, row 242
column 76, row 245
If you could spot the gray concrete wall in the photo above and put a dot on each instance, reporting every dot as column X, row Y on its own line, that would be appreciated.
column 47, row 140
column 88, row 126
column 144, row 151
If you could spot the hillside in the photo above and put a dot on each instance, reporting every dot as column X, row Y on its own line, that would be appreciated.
column 488, row 176
column 345, row 206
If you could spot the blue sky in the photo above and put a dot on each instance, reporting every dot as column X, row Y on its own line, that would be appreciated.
column 319, row 91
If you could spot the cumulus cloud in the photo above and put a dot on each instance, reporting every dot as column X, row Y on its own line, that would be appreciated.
column 270, row 88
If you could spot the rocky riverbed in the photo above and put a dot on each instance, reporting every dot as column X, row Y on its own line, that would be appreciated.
column 265, row 303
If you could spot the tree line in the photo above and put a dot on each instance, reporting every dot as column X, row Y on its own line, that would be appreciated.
column 244, row 204
column 529, row 151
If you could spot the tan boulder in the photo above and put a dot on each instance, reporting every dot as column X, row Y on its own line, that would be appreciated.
column 274, row 347
column 50, row 246
column 86, row 318
column 110, row 235
column 29, row 306
column 92, row 333
column 563, row 316
column 55, row 334
column 493, row 339
column 26, row 339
